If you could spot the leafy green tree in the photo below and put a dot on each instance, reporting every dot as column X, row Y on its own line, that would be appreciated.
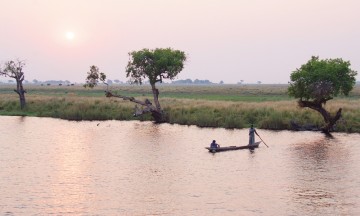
column 14, row 69
column 319, row 81
column 150, row 66
column 155, row 65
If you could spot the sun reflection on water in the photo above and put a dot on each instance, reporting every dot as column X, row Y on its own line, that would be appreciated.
column 138, row 168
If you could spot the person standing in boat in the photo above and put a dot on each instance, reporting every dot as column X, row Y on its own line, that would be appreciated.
column 214, row 144
column 252, row 133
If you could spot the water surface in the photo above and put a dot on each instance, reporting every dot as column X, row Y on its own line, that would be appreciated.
column 57, row 167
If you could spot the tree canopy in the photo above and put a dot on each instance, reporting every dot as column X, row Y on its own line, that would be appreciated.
column 321, row 80
column 318, row 81
column 13, row 69
column 155, row 65
column 93, row 77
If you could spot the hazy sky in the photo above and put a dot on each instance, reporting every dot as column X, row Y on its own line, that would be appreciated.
column 229, row 40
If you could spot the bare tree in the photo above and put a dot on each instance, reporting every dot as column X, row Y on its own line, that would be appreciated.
column 14, row 69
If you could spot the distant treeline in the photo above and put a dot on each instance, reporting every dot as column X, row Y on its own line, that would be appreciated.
column 116, row 81
column 47, row 82
column 189, row 81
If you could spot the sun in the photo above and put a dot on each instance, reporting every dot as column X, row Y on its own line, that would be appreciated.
column 70, row 35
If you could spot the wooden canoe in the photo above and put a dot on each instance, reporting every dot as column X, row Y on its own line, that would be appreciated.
column 230, row 148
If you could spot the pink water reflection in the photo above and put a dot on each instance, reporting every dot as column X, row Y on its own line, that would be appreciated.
column 51, row 166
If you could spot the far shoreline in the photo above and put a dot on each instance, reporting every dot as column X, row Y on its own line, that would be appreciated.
column 189, row 125
column 221, row 106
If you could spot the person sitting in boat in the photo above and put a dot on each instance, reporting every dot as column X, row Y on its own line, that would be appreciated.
column 214, row 144
column 252, row 133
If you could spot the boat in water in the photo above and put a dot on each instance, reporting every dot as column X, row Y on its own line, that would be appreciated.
column 230, row 148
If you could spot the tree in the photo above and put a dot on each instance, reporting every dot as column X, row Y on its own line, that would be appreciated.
column 148, row 65
column 155, row 65
column 319, row 81
column 14, row 69
column 94, row 75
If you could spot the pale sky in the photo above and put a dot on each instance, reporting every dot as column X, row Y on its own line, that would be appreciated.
column 229, row 40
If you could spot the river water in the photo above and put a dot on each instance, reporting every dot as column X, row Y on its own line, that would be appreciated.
column 57, row 167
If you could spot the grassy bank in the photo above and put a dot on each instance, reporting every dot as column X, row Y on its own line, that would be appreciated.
column 227, row 106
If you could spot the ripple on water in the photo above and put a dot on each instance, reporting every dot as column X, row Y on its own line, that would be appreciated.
column 51, row 166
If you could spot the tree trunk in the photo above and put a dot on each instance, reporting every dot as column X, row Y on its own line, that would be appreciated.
column 155, row 92
column 21, row 92
column 158, row 115
column 330, row 121
column 22, row 101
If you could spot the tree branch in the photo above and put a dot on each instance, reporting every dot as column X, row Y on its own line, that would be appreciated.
column 337, row 116
column 329, row 120
column 148, row 107
column 132, row 99
column 315, row 105
column 145, row 103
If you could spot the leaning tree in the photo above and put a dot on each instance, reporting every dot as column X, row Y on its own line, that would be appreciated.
column 319, row 81
column 152, row 65
column 14, row 69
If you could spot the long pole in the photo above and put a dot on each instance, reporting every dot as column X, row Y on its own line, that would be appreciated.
column 262, row 140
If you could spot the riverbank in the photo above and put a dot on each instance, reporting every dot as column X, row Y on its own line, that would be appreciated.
column 228, row 106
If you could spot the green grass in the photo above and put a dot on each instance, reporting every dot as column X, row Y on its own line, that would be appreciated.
column 226, row 106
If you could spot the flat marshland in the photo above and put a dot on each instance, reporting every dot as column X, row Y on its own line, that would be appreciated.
column 227, row 106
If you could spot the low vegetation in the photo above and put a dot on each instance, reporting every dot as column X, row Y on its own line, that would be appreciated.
column 227, row 106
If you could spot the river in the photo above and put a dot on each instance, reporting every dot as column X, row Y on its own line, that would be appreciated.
column 58, row 167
